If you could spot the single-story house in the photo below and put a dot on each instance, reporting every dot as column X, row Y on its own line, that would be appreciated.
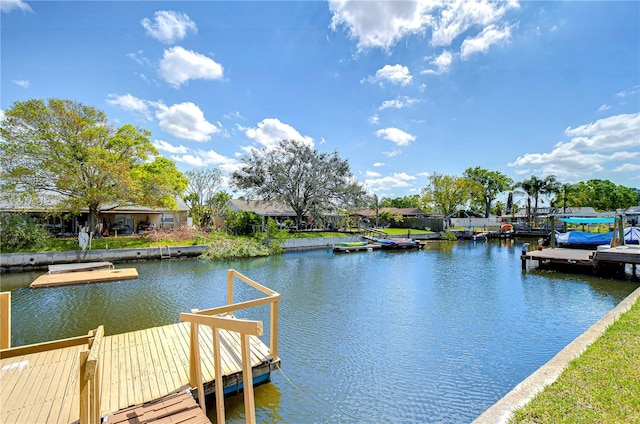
column 121, row 220
column 280, row 213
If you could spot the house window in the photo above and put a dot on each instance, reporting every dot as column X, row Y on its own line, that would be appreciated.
column 167, row 220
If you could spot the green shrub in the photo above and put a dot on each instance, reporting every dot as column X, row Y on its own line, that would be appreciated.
column 241, row 223
column 448, row 235
column 224, row 246
column 17, row 232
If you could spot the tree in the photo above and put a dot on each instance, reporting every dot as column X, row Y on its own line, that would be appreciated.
column 65, row 155
column 203, row 185
column 449, row 193
column 201, row 193
column 534, row 187
column 492, row 182
column 303, row 178
column 412, row 201
column 602, row 195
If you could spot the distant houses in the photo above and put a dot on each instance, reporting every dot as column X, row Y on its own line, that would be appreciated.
column 121, row 220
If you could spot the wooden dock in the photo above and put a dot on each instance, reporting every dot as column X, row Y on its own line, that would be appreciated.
column 135, row 368
column 84, row 378
column 608, row 258
column 84, row 277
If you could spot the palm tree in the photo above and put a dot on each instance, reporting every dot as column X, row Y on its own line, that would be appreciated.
column 534, row 187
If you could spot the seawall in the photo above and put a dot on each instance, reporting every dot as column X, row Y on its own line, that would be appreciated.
column 19, row 262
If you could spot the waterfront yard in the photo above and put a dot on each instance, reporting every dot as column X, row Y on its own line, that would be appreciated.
column 601, row 386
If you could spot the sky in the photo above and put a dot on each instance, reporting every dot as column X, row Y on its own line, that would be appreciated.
column 401, row 89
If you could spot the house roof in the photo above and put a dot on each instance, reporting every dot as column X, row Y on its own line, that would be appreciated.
column 47, row 204
column 260, row 207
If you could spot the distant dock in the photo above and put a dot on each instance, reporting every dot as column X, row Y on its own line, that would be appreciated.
column 603, row 260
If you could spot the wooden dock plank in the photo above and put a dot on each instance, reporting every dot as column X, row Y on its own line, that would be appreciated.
column 178, row 369
column 41, row 399
column 65, row 364
column 84, row 277
column 164, row 379
column 124, row 364
column 27, row 385
column 154, row 367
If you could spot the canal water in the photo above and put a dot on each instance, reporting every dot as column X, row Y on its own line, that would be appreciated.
column 430, row 336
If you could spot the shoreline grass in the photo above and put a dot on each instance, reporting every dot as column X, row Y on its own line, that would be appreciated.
column 601, row 386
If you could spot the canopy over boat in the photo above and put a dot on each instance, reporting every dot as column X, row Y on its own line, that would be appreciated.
column 582, row 220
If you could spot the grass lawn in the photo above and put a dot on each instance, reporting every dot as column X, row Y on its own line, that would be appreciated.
column 601, row 386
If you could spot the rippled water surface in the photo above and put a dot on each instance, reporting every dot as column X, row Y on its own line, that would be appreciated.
column 437, row 335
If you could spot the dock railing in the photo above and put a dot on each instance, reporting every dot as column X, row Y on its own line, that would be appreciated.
column 89, row 376
column 215, row 319
column 5, row 320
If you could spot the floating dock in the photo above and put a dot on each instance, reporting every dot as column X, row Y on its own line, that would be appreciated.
column 84, row 277
column 356, row 248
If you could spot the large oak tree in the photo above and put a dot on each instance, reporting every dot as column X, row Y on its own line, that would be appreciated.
column 493, row 183
column 299, row 176
column 65, row 155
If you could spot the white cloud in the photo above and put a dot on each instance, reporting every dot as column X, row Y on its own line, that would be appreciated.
column 375, row 119
column 186, row 121
column 399, row 103
column 165, row 146
column 270, row 131
column 378, row 23
column 396, row 180
column 628, row 167
column 395, row 74
column 139, row 57
column 607, row 134
column 396, row 136
column 392, row 153
column 489, row 36
column 442, row 64
column 131, row 103
column 382, row 24
column 22, row 83
column 168, row 26
column 457, row 17
column 593, row 148
column 7, row 6
column 372, row 174
column 604, row 107
column 179, row 66
column 630, row 92
column 207, row 158
column 378, row 164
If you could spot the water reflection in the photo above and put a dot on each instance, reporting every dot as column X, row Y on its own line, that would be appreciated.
column 436, row 335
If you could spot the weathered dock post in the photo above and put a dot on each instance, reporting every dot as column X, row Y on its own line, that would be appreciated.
column 523, row 256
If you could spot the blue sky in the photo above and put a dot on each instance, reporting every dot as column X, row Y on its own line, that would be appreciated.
column 401, row 89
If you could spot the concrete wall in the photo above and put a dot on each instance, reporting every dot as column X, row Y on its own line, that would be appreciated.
column 29, row 261
column 317, row 243
column 41, row 260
